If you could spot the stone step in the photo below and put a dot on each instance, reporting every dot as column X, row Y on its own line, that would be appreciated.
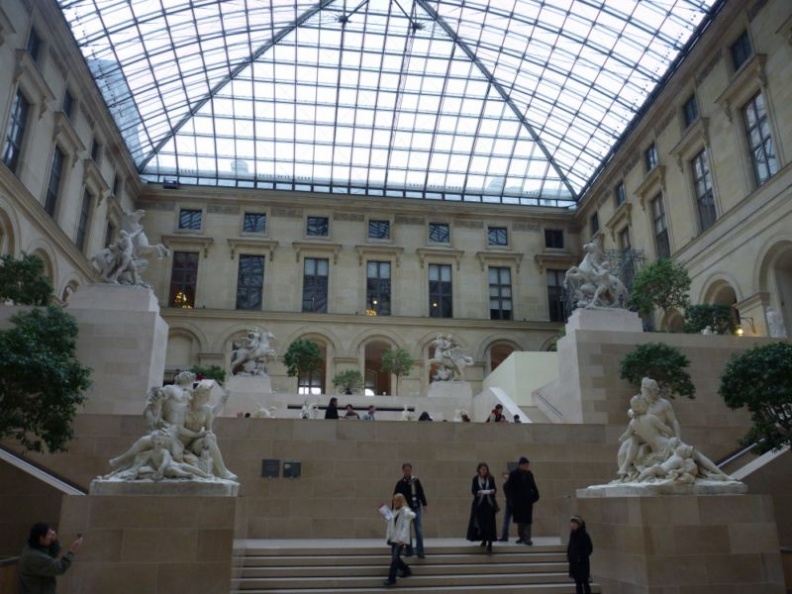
column 376, row 569
column 322, row 551
column 472, row 556
column 566, row 588
column 418, row 579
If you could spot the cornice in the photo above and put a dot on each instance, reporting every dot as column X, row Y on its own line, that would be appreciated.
column 200, row 241
column 390, row 251
column 6, row 26
column 440, row 253
column 547, row 260
column 511, row 257
column 67, row 138
column 750, row 77
column 253, row 243
column 27, row 74
column 311, row 247
column 653, row 182
column 696, row 136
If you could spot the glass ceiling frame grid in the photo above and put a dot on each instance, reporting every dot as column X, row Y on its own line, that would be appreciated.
column 543, row 64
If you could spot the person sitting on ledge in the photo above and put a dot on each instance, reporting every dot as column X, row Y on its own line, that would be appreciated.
column 351, row 415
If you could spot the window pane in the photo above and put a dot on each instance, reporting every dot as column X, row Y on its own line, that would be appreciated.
column 184, row 278
column 379, row 229
column 254, row 223
column 317, row 226
column 439, row 233
column 190, row 219
column 315, row 285
column 250, row 282
column 497, row 236
column 500, row 293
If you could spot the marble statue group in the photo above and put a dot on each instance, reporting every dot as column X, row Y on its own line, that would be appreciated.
column 253, row 354
column 179, row 443
column 593, row 284
column 449, row 361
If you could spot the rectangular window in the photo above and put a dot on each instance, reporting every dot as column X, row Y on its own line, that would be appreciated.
column 555, row 294
column 662, row 244
column 250, row 282
column 317, row 227
column 96, row 151
column 439, row 233
column 500, row 293
column 116, row 185
column 85, row 217
column 34, row 45
column 741, row 50
column 315, row 285
column 190, row 219
column 620, row 194
column 68, row 104
column 254, row 222
column 55, row 178
column 184, row 279
column 624, row 239
column 705, row 197
column 378, row 288
column 594, row 223
column 650, row 157
column 16, row 131
column 109, row 234
column 379, row 229
column 690, row 111
column 497, row 236
column 441, row 302
column 760, row 143
column 554, row 238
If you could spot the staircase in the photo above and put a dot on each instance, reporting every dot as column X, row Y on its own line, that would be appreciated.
column 359, row 567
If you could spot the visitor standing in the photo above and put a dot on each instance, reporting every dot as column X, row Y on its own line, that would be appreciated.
column 522, row 493
column 482, row 525
column 410, row 486
column 579, row 550
column 497, row 416
column 507, row 510
column 369, row 414
column 398, row 535
column 39, row 562
column 331, row 412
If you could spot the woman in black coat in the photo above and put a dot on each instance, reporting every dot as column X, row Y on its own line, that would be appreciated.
column 579, row 550
column 482, row 525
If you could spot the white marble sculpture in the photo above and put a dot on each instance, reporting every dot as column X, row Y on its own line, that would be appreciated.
column 449, row 361
column 253, row 354
column 592, row 283
column 265, row 412
column 775, row 324
column 708, row 330
column 653, row 455
column 406, row 414
column 180, row 443
column 309, row 410
column 124, row 260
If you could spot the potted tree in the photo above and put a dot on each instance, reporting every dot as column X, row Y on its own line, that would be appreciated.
column 665, row 364
column 301, row 358
column 348, row 381
column 398, row 362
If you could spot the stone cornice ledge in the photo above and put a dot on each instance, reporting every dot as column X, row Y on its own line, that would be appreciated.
column 515, row 257
column 258, row 244
column 308, row 246
column 189, row 241
column 442, row 253
column 555, row 261
column 379, row 250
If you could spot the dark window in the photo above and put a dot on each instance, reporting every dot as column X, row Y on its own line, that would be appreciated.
column 55, row 178
column 109, row 234
column 741, row 50
column 68, row 104
column 116, row 185
column 554, row 238
column 440, row 291
column 594, row 224
column 379, row 229
column 497, row 236
column 34, row 45
column 705, row 197
column 650, row 157
column 254, row 222
column 760, row 143
column 624, row 239
column 690, row 110
column 311, row 382
column 555, row 294
column 190, row 219
column 315, row 285
column 250, row 282
column 96, row 150
column 184, row 279
column 85, row 218
column 16, row 131
column 621, row 194
column 439, row 232
column 500, row 293
column 662, row 244
column 318, row 226
column 378, row 288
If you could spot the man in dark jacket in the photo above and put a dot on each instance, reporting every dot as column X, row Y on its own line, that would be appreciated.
column 522, row 494
column 410, row 486
column 39, row 563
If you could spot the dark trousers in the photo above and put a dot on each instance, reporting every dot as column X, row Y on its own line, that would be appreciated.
column 396, row 562
column 507, row 517
column 524, row 533
column 582, row 586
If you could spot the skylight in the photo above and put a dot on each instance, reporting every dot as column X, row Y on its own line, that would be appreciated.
column 513, row 101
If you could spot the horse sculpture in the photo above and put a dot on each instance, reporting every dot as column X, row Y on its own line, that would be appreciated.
column 593, row 284
column 255, row 355
column 448, row 359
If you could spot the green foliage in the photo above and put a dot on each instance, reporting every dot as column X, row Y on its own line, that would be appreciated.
column 302, row 356
column 398, row 362
column 664, row 364
column 23, row 281
column 41, row 381
column 663, row 283
column 214, row 372
column 350, row 380
column 761, row 380
column 720, row 317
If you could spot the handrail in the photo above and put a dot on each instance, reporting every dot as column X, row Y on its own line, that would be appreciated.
column 40, row 472
column 736, row 455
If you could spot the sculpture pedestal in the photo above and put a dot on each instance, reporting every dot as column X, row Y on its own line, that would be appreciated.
column 165, row 487
column 247, row 394
column 452, row 389
column 124, row 340
column 683, row 543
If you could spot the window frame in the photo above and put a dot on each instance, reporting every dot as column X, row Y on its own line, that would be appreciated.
column 651, row 158
column 497, row 236
column 55, row 181
column 555, row 294
column 379, row 289
column 620, row 194
column 741, row 50
column 700, row 162
column 84, row 219
column 319, row 284
column 441, row 293
column 660, row 232
column 594, row 224
column 188, row 286
column 387, row 225
column 762, row 122
column 435, row 228
column 244, row 289
column 497, row 294
column 191, row 214
column 15, row 133
column 554, row 236
column 324, row 225
column 690, row 111
column 264, row 217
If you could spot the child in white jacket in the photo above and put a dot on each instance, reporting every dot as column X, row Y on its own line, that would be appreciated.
column 398, row 535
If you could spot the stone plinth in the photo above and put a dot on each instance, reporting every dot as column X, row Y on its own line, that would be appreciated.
column 182, row 488
column 124, row 340
column 154, row 544
column 612, row 320
column 452, row 389
column 685, row 544
column 247, row 394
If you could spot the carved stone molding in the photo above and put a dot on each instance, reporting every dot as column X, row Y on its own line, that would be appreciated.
column 255, row 245
column 440, row 254
column 386, row 251
column 66, row 137
column 749, row 79
column 322, row 248
column 28, row 76
column 514, row 258
column 189, row 241
column 696, row 137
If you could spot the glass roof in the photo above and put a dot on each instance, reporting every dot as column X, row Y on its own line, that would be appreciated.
column 514, row 101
